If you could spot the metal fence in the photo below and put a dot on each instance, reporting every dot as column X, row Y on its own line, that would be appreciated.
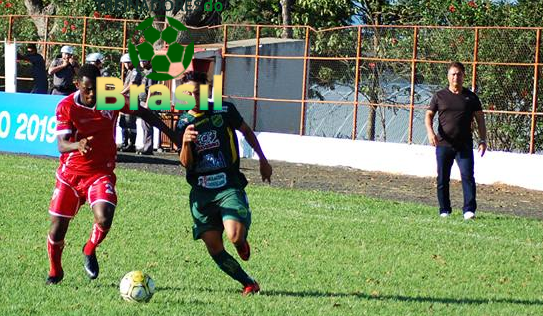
column 357, row 82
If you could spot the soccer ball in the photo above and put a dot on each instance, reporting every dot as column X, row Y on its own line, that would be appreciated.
column 137, row 287
column 168, row 64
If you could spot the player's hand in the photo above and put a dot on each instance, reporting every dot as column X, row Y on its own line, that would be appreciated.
column 265, row 170
column 65, row 62
column 482, row 149
column 190, row 134
column 432, row 138
column 84, row 145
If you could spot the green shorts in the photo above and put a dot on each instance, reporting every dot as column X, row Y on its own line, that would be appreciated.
column 210, row 208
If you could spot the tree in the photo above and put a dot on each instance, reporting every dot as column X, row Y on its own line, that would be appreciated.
column 286, row 7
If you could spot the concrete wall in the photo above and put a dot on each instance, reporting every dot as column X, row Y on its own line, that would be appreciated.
column 279, row 78
column 521, row 170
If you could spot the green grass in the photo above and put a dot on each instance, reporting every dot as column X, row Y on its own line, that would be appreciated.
column 313, row 253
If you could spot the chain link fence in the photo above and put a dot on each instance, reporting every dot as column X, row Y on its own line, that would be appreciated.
column 359, row 82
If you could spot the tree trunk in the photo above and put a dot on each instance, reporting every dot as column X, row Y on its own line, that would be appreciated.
column 286, row 8
column 36, row 9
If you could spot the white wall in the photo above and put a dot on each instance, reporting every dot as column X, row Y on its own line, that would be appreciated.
column 417, row 160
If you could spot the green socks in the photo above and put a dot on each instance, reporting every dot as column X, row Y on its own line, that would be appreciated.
column 231, row 267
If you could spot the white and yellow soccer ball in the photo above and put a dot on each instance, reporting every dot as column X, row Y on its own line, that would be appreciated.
column 137, row 286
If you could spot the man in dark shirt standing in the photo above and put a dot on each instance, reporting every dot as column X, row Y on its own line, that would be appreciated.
column 456, row 106
column 38, row 69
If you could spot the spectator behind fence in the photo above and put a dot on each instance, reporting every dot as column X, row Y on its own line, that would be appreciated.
column 38, row 68
column 147, row 148
column 128, row 122
column 64, row 70
column 456, row 107
column 97, row 59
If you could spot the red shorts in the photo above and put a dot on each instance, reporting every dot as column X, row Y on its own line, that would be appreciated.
column 71, row 191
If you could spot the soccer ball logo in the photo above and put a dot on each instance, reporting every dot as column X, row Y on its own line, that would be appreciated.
column 175, row 54
column 137, row 287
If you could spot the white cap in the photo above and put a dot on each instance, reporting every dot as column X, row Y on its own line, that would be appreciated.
column 94, row 57
column 125, row 58
column 67, row 50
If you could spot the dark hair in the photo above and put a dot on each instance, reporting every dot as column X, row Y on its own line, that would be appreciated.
column 200, row 77
column 457, row 64
column 31, row 46
column 88, row 70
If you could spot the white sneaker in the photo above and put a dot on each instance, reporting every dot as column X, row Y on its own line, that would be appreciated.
column 469, row 215
column 444, row 214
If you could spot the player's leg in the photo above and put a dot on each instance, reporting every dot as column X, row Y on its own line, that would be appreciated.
column 63, row 207
column 465, row 162
column 236, row 217
column 227, row 263
column 445, row 159
column 208, row 226
column 55, row 246
column 103, row 199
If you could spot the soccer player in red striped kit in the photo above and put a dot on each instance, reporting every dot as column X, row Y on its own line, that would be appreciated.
column 86, row 141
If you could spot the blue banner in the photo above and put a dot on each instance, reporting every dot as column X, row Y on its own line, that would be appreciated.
column 28, row 122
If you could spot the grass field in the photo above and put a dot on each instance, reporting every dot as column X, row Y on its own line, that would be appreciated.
column 314, row 253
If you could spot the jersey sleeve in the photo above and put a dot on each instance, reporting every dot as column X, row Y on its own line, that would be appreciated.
column 232, row 115
column 433, row 104
column 64, row 120
column 181, row 125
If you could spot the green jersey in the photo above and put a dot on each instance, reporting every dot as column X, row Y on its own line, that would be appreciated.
column 215, row 152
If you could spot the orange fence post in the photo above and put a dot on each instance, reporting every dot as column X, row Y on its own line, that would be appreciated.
column 475, row 57
column 534, row 97
column 10, row 24
column 304, row 86
column 255, row 87
column 46, row 37
column 356, row 82
column 84, row 41
column 223, row 55
column 124, row 48
column 413, row 77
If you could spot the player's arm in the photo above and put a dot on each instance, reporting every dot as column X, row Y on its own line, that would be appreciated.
column 65, row 145
column 250, row 137
column 154, row 120
column 481, row 126
column 189, row 136
column 429, row 122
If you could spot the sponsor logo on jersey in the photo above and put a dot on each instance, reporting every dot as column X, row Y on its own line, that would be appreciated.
column 212, row 181
column 209, row 163
column 216, row 120
column 207, row 140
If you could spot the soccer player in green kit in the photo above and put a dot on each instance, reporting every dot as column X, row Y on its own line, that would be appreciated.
column 218, row 201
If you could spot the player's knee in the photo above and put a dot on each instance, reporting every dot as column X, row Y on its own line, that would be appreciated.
column 59, row 226
column 235, row 236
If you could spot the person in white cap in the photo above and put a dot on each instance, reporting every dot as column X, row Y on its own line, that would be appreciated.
column 147, row 128
column 97, row 59
column 63, row 70
column 127, row 122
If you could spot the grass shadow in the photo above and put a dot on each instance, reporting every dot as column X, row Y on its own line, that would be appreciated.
column 403, row 298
